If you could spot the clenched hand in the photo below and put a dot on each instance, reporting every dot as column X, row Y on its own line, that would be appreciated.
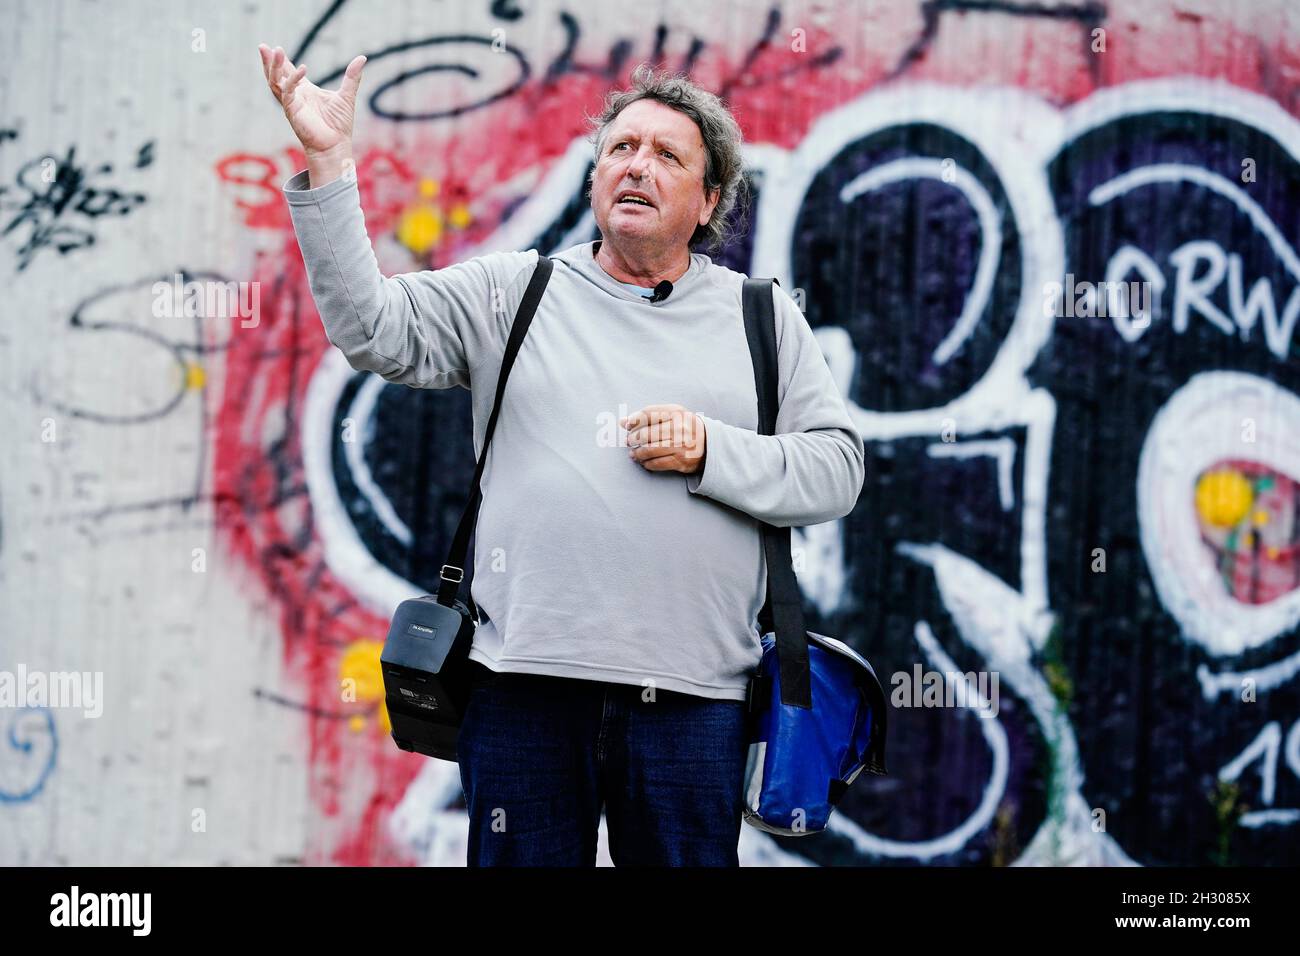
column 666, row 438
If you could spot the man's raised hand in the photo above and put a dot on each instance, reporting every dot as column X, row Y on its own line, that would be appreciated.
column 321, row 119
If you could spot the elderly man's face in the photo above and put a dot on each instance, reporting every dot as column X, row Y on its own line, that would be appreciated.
column 655, row 151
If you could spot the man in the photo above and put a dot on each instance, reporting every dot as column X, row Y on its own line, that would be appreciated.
column 619, row 581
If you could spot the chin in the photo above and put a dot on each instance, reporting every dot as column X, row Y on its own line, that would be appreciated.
column 632, row 232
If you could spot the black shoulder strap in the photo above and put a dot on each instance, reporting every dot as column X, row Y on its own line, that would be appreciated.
column 453, row 572
column 783, row 609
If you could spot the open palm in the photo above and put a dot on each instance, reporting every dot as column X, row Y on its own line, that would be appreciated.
column 321, row 119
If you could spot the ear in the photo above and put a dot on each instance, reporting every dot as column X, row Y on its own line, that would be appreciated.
column 710, row 203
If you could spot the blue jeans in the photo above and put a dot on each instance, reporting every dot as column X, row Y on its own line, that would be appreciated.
column 541, row 757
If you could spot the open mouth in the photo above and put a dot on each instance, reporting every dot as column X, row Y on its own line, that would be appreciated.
column 634, row 201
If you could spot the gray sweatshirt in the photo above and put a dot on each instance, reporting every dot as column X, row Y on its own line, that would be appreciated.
column 586, row 564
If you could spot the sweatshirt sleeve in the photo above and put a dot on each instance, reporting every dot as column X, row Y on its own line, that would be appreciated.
column 426, row 329
column 813, row 468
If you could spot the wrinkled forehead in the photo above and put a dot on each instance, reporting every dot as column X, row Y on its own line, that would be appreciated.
column 653, row 120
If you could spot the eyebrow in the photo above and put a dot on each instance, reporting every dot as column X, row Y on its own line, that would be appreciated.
column 615, row 139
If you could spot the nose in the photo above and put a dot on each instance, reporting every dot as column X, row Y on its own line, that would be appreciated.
column 639, row 166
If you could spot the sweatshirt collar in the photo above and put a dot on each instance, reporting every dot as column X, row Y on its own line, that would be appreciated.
column 583, row 257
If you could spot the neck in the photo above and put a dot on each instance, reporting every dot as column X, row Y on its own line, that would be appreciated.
column 643, row 270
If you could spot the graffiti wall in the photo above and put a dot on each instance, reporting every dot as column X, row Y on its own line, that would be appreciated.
column 1050, row 253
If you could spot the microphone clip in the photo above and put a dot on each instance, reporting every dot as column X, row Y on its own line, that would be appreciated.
column 662, row 291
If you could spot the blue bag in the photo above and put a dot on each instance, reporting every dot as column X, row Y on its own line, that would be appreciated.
column 816, row 710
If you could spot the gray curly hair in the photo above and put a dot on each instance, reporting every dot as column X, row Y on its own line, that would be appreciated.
column 719, row 130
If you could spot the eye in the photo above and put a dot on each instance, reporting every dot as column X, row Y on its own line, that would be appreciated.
column 668, row 153
column 617, row 145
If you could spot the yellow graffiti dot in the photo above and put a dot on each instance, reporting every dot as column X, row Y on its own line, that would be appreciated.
column 459, row 216
column 360, row 662
column 1260, row 518
column 420, row 229
column 428, row 188
column 195, row 376
column 356, row 724
column 1272, row 554
column 1223, row 498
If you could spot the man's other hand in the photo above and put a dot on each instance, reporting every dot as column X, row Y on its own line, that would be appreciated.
column 666, row 438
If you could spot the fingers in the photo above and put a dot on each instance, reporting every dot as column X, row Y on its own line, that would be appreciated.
column 667, row 423
column 270, row 68
column 648, row 453
column 293, row 83
column 653, row 413
column 279, row 70
column 648, row 435
column 352, row 77
column 653, row 434
column 283, row 77
column 283, row 63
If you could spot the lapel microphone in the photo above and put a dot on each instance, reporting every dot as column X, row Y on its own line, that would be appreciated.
column 662, row 291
